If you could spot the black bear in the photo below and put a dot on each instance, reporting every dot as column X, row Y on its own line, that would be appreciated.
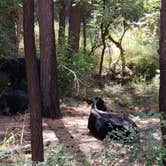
column 13, row 102
column 102, row 123
column 14, row 68
column 20, row 85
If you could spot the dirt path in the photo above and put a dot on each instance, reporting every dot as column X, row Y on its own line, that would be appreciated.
column 71, row 131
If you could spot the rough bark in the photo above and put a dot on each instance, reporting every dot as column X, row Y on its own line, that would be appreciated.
column 84, row 33
column 33, row 82
column 62, row 17
column 103, row 37
column 104, row 33
column 48, row 64
column 74, row 27
column 162, row 90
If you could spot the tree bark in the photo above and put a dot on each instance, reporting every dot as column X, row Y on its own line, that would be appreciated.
column 48, row 64
column 62, row 18
column 84, row 33
column 33, row 82
column 162, row 90
column 74, row 27
column 104, row 33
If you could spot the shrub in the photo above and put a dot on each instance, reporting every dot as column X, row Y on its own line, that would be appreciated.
column 74, row 70
column 141, row 54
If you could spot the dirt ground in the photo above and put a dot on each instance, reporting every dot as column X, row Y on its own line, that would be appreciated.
column 71, row 131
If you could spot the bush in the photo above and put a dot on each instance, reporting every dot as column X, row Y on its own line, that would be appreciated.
column 141, row 55
column 74, row 70
column 145, row 68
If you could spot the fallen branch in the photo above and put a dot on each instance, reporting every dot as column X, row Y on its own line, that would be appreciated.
column 76, row 79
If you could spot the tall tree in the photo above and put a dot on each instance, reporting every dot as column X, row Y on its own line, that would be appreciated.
column 74, row 26
column 86, row 10
column 48, row 64
column 162, row 91
column 33, row 82
column 62, row 19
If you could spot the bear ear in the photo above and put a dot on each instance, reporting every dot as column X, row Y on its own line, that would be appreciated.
column 101, row 100
column 89, row 101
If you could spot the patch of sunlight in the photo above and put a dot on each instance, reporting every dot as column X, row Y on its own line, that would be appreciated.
column 134, row 118
column 97, row 90
column 114, row 89
column 157, row 136
column 49, row 136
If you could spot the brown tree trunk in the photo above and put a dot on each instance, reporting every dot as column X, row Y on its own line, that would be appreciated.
column 122, row 54
column 162, row 90
column 48, row 66
column 62, row 17
column 104, row 33
column 101, row 60
column 74, row 27
column 33, row 82
column 123, row 60
column 84, row 33
column 103, row 36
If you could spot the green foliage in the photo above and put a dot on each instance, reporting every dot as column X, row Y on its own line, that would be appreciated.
column 150, row 150
column 123, row 136
column 56, row 156
column 148, row 90
column 151, row 6
column 141, row 54
column 73, row 70
column 127, row 100
column 150, row 114
column 113, row 149
column 130, row 10
column 153, row 153
column 11, row 137
column 113, row 13
column 141, row 43
column 8, row 38
column 103, row 157
column 146, row 68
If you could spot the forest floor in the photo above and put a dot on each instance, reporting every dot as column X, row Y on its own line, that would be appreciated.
column 80, row 147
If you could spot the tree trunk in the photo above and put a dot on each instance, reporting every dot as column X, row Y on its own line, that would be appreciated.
column 101, row 60
column 33, row 82
column 162, row 90
column 84, row 33
column 62, row 17
column 123, row 60
column 48, row 66
column 74, row 27
column 104, row 32
column 100, row 79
